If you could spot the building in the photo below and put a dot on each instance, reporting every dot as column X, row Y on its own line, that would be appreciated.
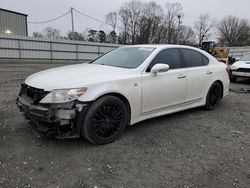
column 13, row 23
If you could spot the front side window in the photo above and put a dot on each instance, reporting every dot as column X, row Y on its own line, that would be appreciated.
column 192, row 58
column 168, row 56
column 126, row 57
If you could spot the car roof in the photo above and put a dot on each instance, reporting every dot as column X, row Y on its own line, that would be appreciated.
column 162, row 46
column 165, row 46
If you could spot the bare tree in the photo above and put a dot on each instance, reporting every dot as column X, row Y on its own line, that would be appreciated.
column 52, row 33
column 150, row 20
column 203, row 27
column 173, row 10
column 234, row 31
column 124, row 18
column 186, row 36
column 112, row 19
column 130, row 14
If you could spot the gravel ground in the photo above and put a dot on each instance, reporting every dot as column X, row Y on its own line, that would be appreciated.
column 190, row 149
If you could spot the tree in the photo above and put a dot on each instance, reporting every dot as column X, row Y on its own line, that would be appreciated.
column 171, row 20
column 92, row 35
column 203, row 27
column 150, row 20
column 112, row 37
column 37, row 35
column 234, row 31
column 130, row 16
column 75, row 36
column 186, row 36
column 52, row 33
column 112, row 19
column 102, row 36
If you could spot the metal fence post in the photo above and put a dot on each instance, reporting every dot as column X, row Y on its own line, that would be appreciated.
column 51, row 53
column 77, row 58
column 99, row 50
column 19, row 50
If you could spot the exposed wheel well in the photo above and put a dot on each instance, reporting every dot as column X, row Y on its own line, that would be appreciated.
column 124, row 100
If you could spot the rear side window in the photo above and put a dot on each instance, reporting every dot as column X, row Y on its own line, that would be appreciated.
column 168, row 56
column 193, row 58
column 205, row 60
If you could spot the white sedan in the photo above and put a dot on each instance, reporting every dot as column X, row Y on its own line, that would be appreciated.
column 241, row 68
column 97, row 100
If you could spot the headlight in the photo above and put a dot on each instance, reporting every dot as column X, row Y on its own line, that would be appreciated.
column 63, row 95
column 233, row 67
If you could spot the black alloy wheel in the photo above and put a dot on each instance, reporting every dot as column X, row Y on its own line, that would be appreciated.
column 214, row 96
column 105, row 120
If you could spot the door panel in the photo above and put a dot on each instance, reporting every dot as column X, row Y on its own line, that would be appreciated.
column 197, row 72
column 163, row 90
column 197, row 80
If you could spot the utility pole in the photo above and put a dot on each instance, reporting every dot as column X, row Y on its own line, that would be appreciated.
column 72, row 19
column 179, row 28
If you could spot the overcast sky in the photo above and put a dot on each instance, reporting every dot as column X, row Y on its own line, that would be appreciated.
column 43, row 10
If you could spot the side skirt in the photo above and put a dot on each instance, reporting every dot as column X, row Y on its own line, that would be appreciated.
column 168, row 110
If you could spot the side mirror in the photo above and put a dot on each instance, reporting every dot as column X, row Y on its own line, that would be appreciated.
column 159, row 68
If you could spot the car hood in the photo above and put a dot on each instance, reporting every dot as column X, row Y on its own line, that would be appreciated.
column 73, row 76
column 241, row 64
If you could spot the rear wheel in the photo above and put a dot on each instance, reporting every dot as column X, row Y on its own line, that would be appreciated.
column 105, row 120
column 214, row 96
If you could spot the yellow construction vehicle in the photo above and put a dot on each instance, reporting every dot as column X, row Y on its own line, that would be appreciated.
column 221, row 54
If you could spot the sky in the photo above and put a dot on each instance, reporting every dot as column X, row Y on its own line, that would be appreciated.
column 43, row 10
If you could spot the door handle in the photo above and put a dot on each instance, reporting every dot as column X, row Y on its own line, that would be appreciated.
column 181, row 76
column 209, row 72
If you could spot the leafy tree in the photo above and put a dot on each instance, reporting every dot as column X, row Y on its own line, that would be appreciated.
column 75, row 36
column 92, row 35
column 112, row 37
column 102, row 36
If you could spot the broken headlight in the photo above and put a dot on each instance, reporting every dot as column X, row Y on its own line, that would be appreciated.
column 63, row 95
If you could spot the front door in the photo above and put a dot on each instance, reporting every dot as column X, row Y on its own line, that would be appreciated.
column 164, row 90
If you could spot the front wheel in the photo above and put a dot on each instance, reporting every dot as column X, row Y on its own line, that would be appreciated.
column 214, row 96
column 105, row 120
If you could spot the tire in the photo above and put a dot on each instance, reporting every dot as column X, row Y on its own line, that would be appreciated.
column 104, row 120
column 214, row 96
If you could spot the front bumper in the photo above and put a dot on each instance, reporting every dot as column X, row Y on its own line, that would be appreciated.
column 241, row 74
column 59, row 121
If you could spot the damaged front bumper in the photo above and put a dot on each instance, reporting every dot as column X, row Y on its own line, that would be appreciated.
column 53, row 120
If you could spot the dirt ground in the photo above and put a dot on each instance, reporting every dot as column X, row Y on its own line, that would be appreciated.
column 190, row 149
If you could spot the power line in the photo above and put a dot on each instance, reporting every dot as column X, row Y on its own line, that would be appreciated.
column 51, row 19
column 83, row 14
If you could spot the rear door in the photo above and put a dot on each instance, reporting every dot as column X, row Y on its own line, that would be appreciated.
column 198, row 74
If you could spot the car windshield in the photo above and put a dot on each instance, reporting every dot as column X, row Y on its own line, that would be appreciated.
column 246, row 58
column 125, row 57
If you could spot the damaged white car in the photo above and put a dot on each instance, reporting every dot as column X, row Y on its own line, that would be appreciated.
column 97, row 100
column 240, row 69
